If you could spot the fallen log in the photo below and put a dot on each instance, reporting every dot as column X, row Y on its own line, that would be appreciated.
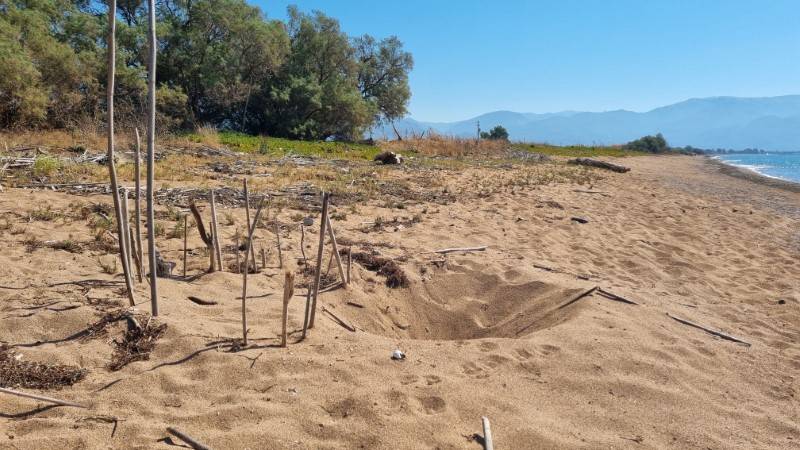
column 599, row 164
column 709, row 330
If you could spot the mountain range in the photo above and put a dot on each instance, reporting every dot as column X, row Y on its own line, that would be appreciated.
column 769, row 123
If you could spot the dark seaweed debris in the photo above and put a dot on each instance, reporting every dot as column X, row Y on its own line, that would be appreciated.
column 15, row 372
column 395, row 276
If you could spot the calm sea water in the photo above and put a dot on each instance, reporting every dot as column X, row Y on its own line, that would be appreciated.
column 785, row 166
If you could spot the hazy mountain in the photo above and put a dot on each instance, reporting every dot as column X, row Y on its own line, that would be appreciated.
column 771, row 123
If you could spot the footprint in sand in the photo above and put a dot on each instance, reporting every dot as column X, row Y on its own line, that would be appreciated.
column 433, row 404
column 430, row 380
column 488, row 346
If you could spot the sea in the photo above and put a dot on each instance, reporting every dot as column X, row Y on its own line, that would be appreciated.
column 784, row 166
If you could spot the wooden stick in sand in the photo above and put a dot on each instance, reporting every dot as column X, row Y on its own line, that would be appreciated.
column 318, row 272
column 244, row 274
column 185, row 235
column 151, row 154
column 126, row 226
column 238, row 261
column 215, row 232
column 487, row 434
column 461, row 249
column 263, row 259
column 278, row 239
column 307, row 311
column 338, row 257
column 138, row 206
column 349, row 262
column 288, row 291
column 136, row 257
column 247, row 216
column 709, row 330
column 187, row 439
column 40, row 397
column 122, row 233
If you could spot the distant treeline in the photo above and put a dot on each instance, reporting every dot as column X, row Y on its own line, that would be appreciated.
column 220, row 62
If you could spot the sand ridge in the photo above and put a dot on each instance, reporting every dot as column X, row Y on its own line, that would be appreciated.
column 674, row 234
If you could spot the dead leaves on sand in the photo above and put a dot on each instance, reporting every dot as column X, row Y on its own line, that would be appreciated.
column 14, row 372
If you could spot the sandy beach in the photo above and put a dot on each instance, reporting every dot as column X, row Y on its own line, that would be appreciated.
column 489, row 333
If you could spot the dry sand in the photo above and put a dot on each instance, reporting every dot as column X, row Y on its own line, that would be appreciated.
column 483, row 332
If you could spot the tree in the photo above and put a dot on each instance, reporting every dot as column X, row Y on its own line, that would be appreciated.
column 496, row 134
column 383, row 68
column 650, row 144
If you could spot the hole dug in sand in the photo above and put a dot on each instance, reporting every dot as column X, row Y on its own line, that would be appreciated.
column 470, row 304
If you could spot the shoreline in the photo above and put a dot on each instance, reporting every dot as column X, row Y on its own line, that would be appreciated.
column 751, row 175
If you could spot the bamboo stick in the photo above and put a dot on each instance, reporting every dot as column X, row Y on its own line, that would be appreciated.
column 40, row 397
column 487, row 434
column 263, row 259
column 336, row 251
column 195, row 445
column 151, row 151
column 215, row 228
column 318, row 273
column 112, row 169
column 288, row 291
column 461, row 249
column 138, row 207
column 244, row 275
column 185, row 236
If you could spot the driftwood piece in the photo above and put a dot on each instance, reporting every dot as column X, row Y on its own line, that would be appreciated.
column 200, row 301
column 205, row 237
column 187, row 439
column 578, row 297
column 339, row 320
column 215, row 232
column 461, row 249
column 336, row 254
column 487, row 434
column 320, row 249
column 615, row 297
column 709, row 330
column 288, row 291
column 40, row 397
column 599, row 164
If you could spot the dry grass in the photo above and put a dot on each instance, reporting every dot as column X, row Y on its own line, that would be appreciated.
column 440, row 145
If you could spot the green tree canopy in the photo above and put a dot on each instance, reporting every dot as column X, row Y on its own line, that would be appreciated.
column 221, row 62
column 496, row 133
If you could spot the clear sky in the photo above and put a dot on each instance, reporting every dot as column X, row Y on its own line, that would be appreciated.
column 476, row 56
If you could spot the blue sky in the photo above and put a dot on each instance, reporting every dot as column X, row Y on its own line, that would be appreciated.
column 473, row 56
